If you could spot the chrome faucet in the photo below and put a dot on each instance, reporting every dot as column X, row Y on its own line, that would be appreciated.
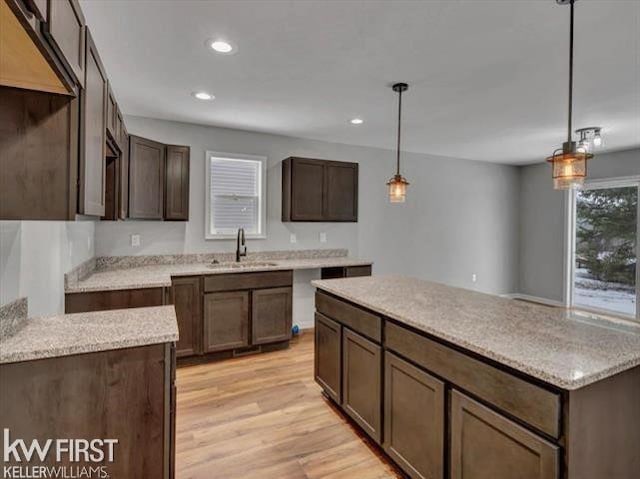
column 240, row 243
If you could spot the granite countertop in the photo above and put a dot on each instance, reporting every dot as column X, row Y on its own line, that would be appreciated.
column 154, row 276
column 68, row 334
column 560, row 347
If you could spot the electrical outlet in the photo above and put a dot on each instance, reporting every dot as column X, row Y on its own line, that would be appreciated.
column 323, row 237
column 474, row 278
column 135, row 240
column 292, row 238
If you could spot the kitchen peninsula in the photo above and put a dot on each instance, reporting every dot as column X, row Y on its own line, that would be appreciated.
column 446, row 379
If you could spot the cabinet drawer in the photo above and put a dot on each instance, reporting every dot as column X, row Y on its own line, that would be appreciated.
column 115, row 299
column 531, row 403
column 235, row 281
column 351, row 316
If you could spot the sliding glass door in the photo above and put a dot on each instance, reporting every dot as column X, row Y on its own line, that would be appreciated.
column 605, row 247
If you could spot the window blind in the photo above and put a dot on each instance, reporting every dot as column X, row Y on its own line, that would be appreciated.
column 235, row 195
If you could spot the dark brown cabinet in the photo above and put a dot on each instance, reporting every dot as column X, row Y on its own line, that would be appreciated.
column 187, row 300
column 327, row 357
column 93, row 116
column 146, row 178
column 271, row 315
column 112, row 109
column 361, row 382
column 116, row 299
column 123, row 187
column 495, row 447
column 319, row 190
column 64, row 29
column 226, row 321
column 176, row 197
column 125, row 394
column 414, row 412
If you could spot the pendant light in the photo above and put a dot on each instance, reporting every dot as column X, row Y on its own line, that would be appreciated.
column 569, row 163
column 398, row 184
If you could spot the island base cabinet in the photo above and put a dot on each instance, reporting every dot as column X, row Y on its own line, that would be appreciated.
column 270, row 315
column 327, row 358
column 226, row 320
column 361, row 382
column 414, row 411
column 486, row 445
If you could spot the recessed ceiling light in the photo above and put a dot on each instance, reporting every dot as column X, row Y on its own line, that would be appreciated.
column 221, row 46
column 356, row 121
column 203, row 95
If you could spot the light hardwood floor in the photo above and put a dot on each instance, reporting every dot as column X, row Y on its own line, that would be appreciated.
column 263, row 416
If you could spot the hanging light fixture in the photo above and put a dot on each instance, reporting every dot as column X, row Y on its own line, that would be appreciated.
column 569, row 163
column 398, row 184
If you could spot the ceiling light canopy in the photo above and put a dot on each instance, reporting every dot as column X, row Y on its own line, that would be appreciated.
column 398, row 184
column 356, row 121
column 221, row 46
column 203, row 95
column 569, row 163
column 590, row 138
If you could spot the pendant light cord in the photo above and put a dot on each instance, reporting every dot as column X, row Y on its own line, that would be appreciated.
column 399, row 130
column 570, row 72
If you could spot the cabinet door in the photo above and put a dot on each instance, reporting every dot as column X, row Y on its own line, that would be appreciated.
column 328, row 341
column 112, row 113
column 413, row 418
column 270, row 315
column 486, row 445
column 226, row 320
column 176, row 198
column 187, row 300
column 146, row 178
column 361, row 380
column 93, row 115
column 307, row 190
column 123, row 191
column 341, row 191
column 65, row 30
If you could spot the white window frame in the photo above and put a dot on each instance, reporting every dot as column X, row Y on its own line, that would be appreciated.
column 262, row 220
column 570, row 243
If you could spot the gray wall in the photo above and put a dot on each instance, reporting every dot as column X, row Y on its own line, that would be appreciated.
column 458, row 220
column 542, row 221
column 34, row 255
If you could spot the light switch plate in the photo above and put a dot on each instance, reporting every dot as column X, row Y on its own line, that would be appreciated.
column 135, row 240
column 323, row 237
column 293, row 238
column 474, row 277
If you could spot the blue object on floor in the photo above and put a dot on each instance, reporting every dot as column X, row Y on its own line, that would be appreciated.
column 295, row 330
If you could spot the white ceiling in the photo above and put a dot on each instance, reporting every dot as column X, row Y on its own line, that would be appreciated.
column 488, row 78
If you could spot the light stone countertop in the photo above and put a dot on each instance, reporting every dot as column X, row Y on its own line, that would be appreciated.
column 160, row 275
column 68, row 334
column 563, row 348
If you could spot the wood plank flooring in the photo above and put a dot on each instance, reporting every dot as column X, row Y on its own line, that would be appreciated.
column 263, row 416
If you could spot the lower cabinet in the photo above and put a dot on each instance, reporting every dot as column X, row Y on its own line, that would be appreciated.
column 186, row 298
column 414, row 410
column 270, row 315
column 361, row 382
column 116, row 299
column 495, row 447
column 226, row 320
column 327, row 357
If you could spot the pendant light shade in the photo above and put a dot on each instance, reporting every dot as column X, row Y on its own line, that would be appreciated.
column 569, row 163
column 398, row 184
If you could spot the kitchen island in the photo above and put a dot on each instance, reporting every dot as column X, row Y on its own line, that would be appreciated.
column 456, row 383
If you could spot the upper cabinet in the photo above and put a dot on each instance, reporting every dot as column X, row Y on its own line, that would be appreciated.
column 93, row 116
column 158, row 180
column 65, row 30
column 146, row 178
column 176, row 197
column 42, row 45
column 319, row 190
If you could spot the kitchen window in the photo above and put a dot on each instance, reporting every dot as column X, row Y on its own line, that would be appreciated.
column 604, row 247
column 236, row 195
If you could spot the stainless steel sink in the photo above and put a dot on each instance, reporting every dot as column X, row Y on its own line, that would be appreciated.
column 241, row 265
